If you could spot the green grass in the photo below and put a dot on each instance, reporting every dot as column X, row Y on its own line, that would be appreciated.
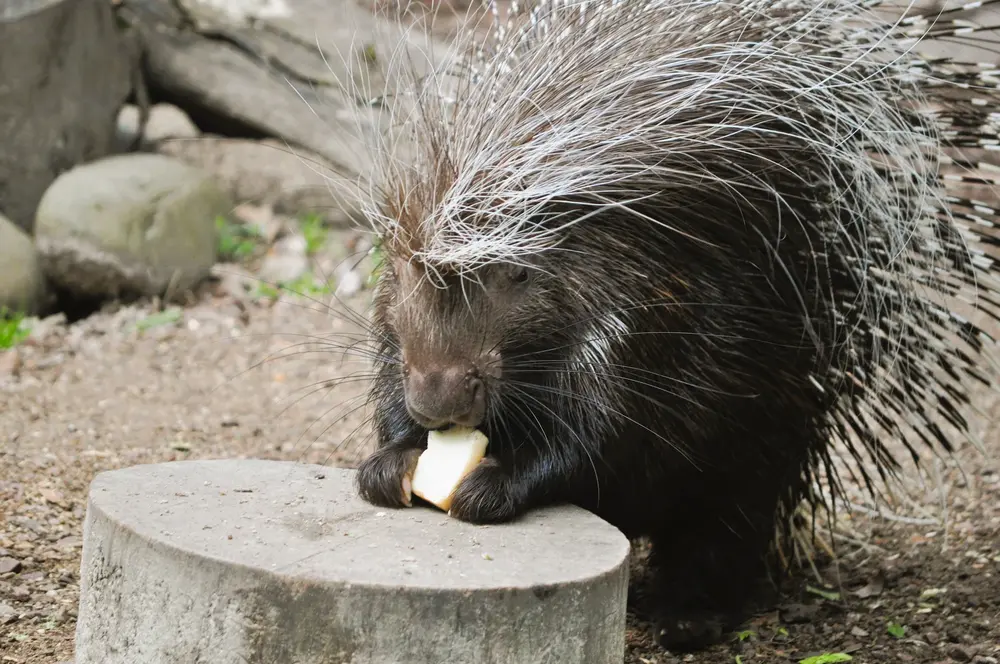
column 13, row 329
column 236, row 241
column 307, row 286
column 315, row 232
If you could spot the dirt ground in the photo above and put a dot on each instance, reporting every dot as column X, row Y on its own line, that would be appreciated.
column 229, row 380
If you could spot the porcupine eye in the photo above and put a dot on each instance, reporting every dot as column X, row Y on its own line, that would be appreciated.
column 519, row 275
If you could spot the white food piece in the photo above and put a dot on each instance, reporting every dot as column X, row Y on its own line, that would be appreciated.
column 449, row 457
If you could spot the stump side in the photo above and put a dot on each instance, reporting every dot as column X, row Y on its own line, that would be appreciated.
column 356, row 584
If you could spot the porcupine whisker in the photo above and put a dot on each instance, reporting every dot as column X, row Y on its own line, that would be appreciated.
column 325, row 345
column 370, row 356
column 560, row 367
column 637, row 393
column 338, row 380
column 517, row 402
column 344, row 313
column 518, row 391
column 664, row 333
column 319, row 386
column 652, row 303
column 350, row 411
column 593, row 402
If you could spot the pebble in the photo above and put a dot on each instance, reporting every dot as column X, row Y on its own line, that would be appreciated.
column 165, row 121
column 286, row 261
column 7, row 614
column 9, row 565
column 798, row 613
column 168, row 121
column 959, row 653
column 10, row 362
column 53, row 496
column 350, row 284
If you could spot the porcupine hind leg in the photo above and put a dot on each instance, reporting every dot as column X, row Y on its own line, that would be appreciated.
column 710, row 565
column 703, row 575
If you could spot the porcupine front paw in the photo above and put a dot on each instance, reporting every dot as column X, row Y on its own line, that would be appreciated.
column 485, row 495
column 385, row 478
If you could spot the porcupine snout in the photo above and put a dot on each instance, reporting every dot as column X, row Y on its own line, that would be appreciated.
column 436, row 396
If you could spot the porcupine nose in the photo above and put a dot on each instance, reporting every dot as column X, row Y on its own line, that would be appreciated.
column 438, row 397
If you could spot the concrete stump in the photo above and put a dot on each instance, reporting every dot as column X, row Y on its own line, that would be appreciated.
column 247, row 561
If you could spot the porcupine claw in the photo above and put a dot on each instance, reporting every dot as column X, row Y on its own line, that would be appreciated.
column 386, row 477
column 407, row 481
column 408, row 486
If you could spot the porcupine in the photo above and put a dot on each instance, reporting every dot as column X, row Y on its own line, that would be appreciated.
column 668, row 255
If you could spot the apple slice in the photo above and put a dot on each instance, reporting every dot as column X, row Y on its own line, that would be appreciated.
column 450, row 456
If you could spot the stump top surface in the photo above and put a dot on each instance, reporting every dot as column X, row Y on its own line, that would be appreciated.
column 307, row 521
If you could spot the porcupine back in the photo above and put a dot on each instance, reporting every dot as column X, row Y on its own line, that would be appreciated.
column 812, row 128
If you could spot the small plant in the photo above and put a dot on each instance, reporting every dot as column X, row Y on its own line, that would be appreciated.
column 267, row 290
column 306, row 285
column 831, row 595
column 315, row 232
column 236, row 241
column 378, row 258
column 164, row 317
column 827, row 658
column 745, row 635
column 13, row 329
column 896, row 630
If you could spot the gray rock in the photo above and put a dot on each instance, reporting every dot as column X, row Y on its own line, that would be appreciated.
column 22, row 284
column 269, row 172
column 8, row 614
column 9, row 565
column 286, row 261
column 237, row 561
column 70, row 60
column 165, row 122
column 349, row 284
column 138, row 223
column 301, row 75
